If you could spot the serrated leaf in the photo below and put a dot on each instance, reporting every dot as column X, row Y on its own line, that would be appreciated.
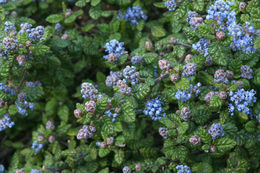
column 63, row 113
column 158, row 31
column 40, row 49
column 183, row 127
column 119, row 156
column 95, row 2
column 183, row 84
column 224, row 144
column 103, row 152
column 150, row 57
column 128, row 112
column 216, row 102
column 204, row 135
column 54, row 18
column 142, row 91
column 81, row 3
column 159, row 4
column 95, row 13
column 73, row 16
column 88, row 27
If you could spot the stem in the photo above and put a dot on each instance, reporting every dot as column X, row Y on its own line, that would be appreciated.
column 22, row 81
column 182, row 44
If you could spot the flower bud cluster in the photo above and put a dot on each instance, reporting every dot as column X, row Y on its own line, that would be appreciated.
column 107, row 143
column 220, row 76
column 189, row 69
column 86, row 132
column 194, row 19
column 49, row 125
column 202, row 46
column 163, row 132
column 246, row 72
column 90, row 106
column 216, row 131
column 112, row 79
column 153, row 108
column 88, row 91
column 131, row 74
column 123, row 88
column 164, row 65
column 9, row 26
column 195, row 140
column 137, row 60
column 170, row 4
column 115, row 50
column 185, row 113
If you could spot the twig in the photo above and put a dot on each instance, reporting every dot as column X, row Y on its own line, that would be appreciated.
column 182, row 44
column 22, row 81
column 66, row 166
column 159, row 79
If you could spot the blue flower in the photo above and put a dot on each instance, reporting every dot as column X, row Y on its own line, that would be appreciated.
column 115, row 50
column 88, row 91
column 246, row 72
column 189, row 69
column 36, row 146
column 9, row 26
column 131, row 74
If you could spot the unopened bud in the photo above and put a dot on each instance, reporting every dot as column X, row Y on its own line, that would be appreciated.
column 213, row 148
column 222, row 95
column 138, row 167
column 173, row 40
column 148, row 46
column 21, row 59
column 112, row 58
column 164, row 65
column 65, row 36
column 188, row 58
column 195, row 140
column 220, row 35
column 175, row 77
column 51, row 139
column 28, row 43
column 19, row 171
column 77, row 113
column 2, row 102
column 41, row 138
column 242, row 5
column 230, row 74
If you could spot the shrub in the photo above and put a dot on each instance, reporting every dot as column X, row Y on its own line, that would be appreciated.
column 168, row 86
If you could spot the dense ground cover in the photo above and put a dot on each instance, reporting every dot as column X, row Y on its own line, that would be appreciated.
column 129, row 86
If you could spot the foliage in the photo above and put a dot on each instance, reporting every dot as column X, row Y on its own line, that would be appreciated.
column 124, row 85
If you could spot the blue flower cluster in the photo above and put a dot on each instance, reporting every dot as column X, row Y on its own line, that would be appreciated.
column 9, row 26
column 131, row 74
column 36, row 146
column 22, row 105
column 111, row 115
column 220, row 12
column 189, row 69
column 5, row 122
column 185, row 95
column 133, row 15
column 90, row 106
column 126, row 169
column 35, row 171
column 258, row 118
column 183, row 169
column 170, row 4
column 86, row 131
column 114, row 48
column 241, row 100
column 242, row 36
column 154, row 109
column 123, row 88
column 137, row 59
column 4, row 88
column 185, row 113
column 246, row 72
column 202, row 46
column 220, row 76
column 112, row 79
column 35, row 34
column 216, row 131
column 2, row 168
column 33, row 84
column 194, row 20
column 88, row 91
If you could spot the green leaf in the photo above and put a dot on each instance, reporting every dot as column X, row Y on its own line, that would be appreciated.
column 103, row 152
column 81, row 3
column 257, row 43
column 204, row 135
column 216, row 102
column 158, row 31
column 128, row 112
column 4, row 69
column 202, row 168
column 183, row 84
column 63, row 113
column 95, row 13
column 54, row 18
column 73, row 17
column 224, row 144
column 101, row 105
column 40, row 49
column 22, row 38
column 88, row 27
column 95, row 2
column 12, row 110
column 119, row 156
column 219, row 54
column 150, row 57
column 142, row 91
column 183, row 128
column 256, row 78
column 250, row 126
column 105, row 170
column 159, row 4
